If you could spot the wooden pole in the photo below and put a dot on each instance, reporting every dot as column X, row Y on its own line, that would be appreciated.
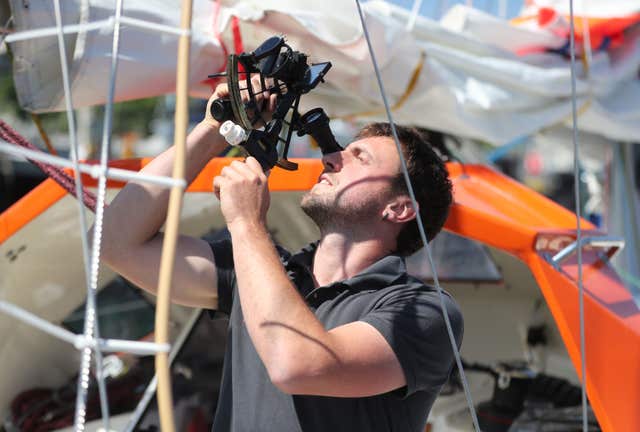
column 165, row 402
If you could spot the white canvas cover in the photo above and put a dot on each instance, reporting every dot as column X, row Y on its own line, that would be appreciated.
column 472, row 83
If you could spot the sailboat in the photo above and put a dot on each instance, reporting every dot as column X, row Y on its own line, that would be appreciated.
column 519, row 298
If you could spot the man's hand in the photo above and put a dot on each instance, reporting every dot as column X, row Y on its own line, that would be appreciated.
column 242, row 190
column 222, row 92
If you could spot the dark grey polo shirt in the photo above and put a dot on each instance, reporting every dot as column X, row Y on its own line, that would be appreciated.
column 403, row 309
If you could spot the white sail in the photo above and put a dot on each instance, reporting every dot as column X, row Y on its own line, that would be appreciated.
column 482, row 77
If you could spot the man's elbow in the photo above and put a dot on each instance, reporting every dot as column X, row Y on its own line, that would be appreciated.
column 294, row 377
column 286, row 381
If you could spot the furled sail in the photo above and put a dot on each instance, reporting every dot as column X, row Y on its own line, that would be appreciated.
column 476, row 75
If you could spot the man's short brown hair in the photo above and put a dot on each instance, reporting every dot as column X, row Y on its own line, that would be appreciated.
column 429, row 178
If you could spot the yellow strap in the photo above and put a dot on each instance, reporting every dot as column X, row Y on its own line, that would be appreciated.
column 43, row 134
column 411, row 86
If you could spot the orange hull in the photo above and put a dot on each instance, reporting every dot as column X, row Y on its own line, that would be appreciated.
column 500, row 212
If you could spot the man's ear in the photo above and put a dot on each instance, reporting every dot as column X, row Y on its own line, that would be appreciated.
column 400, row 210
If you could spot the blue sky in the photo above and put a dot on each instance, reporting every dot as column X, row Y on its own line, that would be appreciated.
column 434, row 8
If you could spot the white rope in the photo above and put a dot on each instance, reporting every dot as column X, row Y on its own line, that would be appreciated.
column 415, row 11
column 423, row 236
column 53, row 31
column 79, row 341
column 148, row 25
column 106, row 23
column 83, row 380
column 94, row 171
column 91, row 322
column 576, row 180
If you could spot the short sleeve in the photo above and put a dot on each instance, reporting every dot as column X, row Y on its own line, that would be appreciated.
column 411, row 320
column 223, row 257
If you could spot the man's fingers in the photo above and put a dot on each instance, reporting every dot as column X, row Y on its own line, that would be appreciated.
column 273, row 99
column 222, row 90
column 242, row 170
column 217, row 185
column 233, row 171
column 253, row 164
column 250, row 170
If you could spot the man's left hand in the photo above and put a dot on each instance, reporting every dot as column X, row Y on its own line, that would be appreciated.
column 242, row 190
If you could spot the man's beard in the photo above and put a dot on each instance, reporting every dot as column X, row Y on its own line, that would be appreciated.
column 329, row 213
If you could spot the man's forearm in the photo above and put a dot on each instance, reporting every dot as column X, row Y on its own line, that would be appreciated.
column 283, row 329
column 139, row 210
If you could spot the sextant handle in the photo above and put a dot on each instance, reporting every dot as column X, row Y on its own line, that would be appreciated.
column 221, row 110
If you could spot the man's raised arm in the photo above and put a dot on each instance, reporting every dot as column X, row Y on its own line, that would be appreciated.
column 132, row 243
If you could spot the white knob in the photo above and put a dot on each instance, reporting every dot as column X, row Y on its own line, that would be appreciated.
column 233, row 133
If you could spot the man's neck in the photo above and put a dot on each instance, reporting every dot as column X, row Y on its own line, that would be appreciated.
column 338, row 257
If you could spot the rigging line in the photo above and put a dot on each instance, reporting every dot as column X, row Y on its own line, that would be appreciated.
column 83, row 382
column 92, row 325
column 100, row 205
column 66, row 181
column 415, row 11
column 33, row 153
column 576, row 188
column 423, row 236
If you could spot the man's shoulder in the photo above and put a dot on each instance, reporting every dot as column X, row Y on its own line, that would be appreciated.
column 423, row 299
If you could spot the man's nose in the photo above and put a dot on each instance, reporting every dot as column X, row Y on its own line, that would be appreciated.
column 332, row 161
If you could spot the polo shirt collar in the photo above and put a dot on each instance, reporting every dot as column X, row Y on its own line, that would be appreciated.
column 385, row 272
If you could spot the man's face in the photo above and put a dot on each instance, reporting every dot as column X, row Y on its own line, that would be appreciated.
column 355, row 185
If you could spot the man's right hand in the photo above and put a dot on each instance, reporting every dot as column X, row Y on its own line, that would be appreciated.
column 221, row 92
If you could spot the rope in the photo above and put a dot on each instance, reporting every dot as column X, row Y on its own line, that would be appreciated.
column 58, row 175
column 415, row 11
column 423, row 236
column 165, row 404
column 98, row 223
column 90, row 321
column 576, row 181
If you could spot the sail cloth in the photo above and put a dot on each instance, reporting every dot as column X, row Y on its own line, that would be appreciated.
column 478, row 76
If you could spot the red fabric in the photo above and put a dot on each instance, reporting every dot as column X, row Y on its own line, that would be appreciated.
column 238, row 45
column 599, row 28
column 237, row 36
column 545, row 16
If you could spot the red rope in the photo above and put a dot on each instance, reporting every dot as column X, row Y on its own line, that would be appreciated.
column 66, row 181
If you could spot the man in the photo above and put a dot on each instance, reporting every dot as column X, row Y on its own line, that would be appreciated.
column 337, row 337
